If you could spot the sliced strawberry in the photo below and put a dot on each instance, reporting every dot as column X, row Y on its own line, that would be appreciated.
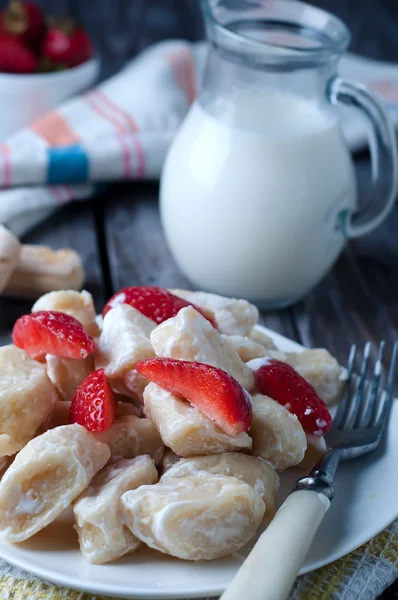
column 52, row 332
column 153, row 302
column 94, row 403
column 213, row 391
column 282, row 383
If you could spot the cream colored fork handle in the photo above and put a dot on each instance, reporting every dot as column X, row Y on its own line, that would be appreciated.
column 269, row 571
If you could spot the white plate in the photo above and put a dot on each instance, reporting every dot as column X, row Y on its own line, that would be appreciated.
column 365, row 503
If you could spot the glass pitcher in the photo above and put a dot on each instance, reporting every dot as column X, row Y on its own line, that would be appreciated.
column 258, row 194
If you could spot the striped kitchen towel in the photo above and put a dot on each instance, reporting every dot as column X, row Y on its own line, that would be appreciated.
column 119, row 131
column 122, row 129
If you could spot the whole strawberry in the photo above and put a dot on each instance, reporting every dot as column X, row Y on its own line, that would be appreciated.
column 282, row 383
column 66, row 44
column 26, row 21
column 15, row 57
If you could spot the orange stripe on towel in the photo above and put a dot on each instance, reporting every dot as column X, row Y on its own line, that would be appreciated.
column 55, row 130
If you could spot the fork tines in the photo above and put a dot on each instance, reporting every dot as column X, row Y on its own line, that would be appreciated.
column 363, row 405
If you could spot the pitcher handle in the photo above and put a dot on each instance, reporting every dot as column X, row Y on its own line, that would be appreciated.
column 383, row 151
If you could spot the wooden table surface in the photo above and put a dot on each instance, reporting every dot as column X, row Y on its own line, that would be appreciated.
column 120, row 238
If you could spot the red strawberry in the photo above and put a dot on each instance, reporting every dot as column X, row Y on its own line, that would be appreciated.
column 15, row 57
column 153, row 302
column 52, row 332
column 66, row 44
column 213, row 391
column 282, row 383
column 94, row 403
column 26, row 21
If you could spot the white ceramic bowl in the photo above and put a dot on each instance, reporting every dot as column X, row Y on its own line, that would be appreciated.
column 25, row 98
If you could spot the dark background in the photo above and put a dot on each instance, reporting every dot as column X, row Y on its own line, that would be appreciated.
column 120, row 28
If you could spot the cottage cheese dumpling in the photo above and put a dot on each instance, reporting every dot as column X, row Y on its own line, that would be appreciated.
column 124, row 341
column 10, row 252
column 254, row 471
column 124, row 408
column 169, row 459
column 316, row 448
column 5, row 462
column 58, row 417
column 129, row 436
column 195, row 518
column 102, row 534
column 276, row 433
column 322, row 370
column 67, row 373
column 185, row 429
column 260, row 337
column 231, row 316
column 46, row 476
column 76, row 304
column 27, row 398
column 245, row 347
column 189, row 336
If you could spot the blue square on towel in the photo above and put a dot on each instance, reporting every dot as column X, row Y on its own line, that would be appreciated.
column 67, row 165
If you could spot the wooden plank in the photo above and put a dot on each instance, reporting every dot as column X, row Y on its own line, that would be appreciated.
column 280, row 321
column 138, row 253
column 71, row 227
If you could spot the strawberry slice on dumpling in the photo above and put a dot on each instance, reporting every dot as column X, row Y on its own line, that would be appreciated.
column 155, row 303
column 52, row 332
column 282, row 383
column 212, row 391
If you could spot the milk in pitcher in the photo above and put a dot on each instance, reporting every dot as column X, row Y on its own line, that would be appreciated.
column 251, row 192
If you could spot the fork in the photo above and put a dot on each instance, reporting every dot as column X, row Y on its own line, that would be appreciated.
column 269, row 571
